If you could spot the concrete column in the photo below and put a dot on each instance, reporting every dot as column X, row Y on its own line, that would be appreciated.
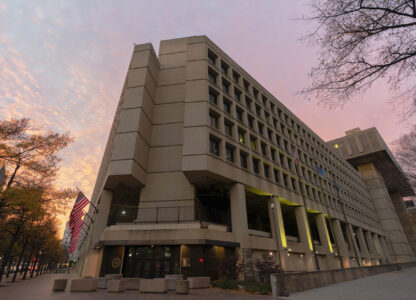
column 371, row 247
column 388, row 217
column 278, row 230
column 240, row 227
column 100, row 222
column 323, row 233
column 363, row 246
column 353, row 242
column 377, row 244
column 342, row 247
column 386, row 251
column 305, row 237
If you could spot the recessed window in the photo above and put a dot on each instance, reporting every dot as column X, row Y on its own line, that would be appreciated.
column 237, row 95
column 227, row 106
column 274, row 123
column 279, row 140
column 276, row 175
column 236, row 76
column 255, row 93
column 256, row 165
column 261, row 128
column 214, row 145
column 243, row 160
column 212, row 58
column 246, row 85
column 264, row 149
column 229, row 153
column 239, row 115
column 269, row 134
column 258, row 110
column 282, row 159
column 250, row 122
column 266, row 170
column 273, row 153
column 224, row 67
column 228, row 128
column 212, row 76
column 241, row 137
column 248, row 103
column 285, row 180
column 225, row 86
column 213, row 97
column 213, row 120
column 253, row 143
column 264, row 100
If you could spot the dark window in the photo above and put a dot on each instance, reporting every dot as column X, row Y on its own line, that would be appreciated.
column 213, row 120
column 264, row 149
column 248, row 102
column 285, row 180
column 246, row 85
column 240, row 115
column 212, row 58
column 275, row 123
column 256, row 165
column 276, row 175
column 269, row 134
column 255, row 93
column 258, row 110
column 279, row 140
column 229, row 153
column 282, row 159
column 266, row 170
column 236, row 76
column 243, row 160
column 224, row 67
column 123, row 207
column 273, row 152
column 260, row 127
column 212, row 77
column 213, row 98
column 225, row 86
column 289, row 162
column 250, row 122
column 264, row 99
column 227, row 106
column 214, row 146
column 237, row 95
column 228, row 128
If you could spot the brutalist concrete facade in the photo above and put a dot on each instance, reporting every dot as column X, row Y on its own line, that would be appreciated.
column 204, row 165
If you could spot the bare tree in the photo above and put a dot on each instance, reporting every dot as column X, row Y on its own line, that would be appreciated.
column 362, row 41
column 405, row 153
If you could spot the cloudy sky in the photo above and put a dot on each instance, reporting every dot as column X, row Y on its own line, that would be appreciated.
column 62, row 64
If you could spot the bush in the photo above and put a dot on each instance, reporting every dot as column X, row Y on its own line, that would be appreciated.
column 253, row 287
column 266, row 266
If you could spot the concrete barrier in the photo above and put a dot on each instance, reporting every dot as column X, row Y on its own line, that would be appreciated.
column 84, row 285
column 115, row 286
column 102, row 281
column 293, row 282
column 182, row 287
column 131, row 283
column 199, row 282
column 159, row 285
column 59, row 285
column 172, row 281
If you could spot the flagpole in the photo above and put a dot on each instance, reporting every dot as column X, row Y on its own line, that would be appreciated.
column 95, row 208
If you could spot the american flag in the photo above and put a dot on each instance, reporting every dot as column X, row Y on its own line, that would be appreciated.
column 76, row 221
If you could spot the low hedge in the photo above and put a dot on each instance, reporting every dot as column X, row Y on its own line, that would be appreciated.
column 253, row 287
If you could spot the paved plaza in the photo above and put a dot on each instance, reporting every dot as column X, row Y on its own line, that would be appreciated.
column 399, row 285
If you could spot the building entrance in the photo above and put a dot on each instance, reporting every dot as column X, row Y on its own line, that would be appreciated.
column 151, row 261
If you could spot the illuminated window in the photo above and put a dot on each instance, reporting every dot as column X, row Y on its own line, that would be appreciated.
column 241, row 137
column 253, row 143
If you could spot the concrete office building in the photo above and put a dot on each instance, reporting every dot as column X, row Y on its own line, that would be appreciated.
column 203, row 163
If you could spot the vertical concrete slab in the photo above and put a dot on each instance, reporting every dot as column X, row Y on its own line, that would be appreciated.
column 343, row 251
column 305, row 238
column 278, row 230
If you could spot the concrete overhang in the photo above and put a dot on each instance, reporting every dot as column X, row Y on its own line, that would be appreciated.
column 367, row 146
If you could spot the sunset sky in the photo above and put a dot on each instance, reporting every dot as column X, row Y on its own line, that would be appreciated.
column 62, row 64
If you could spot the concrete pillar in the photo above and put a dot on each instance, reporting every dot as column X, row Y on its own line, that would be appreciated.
column 100, row 222
column 363, row 246
column 353, row 243
column 386, row 251
column 377, row 244
column 278, row 230
column 305, row 237
column 371, row 247
column 387, row 215
column 323, row 233
column 240, row 227
column 342, row 247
